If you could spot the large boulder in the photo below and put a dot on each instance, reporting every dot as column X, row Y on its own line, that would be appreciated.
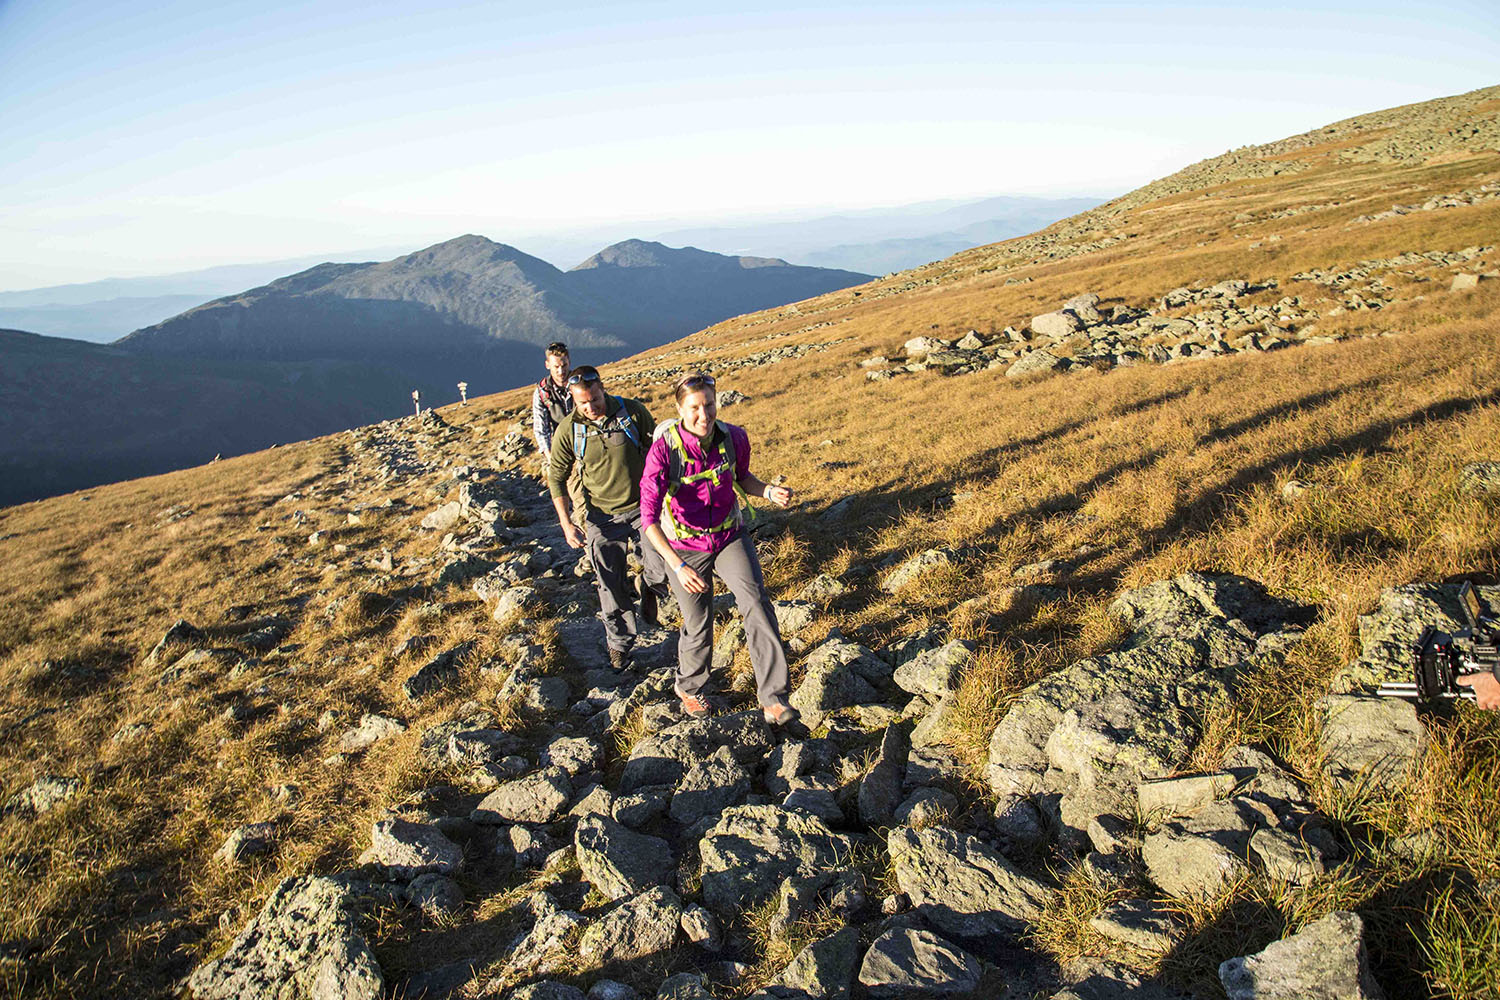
column 618, row 861
column 1081, row 741
column 751, row 849
column 406, row 850
column 904, row 963
column 710, row 786
column 1034, row 363
column 962, row 886
column 935, row 672
column 824, row 970
column 305, row 942
column 1370, row 741
column 539, row 797
column 838, row 674
column 1058, row 325
column 1324, row 961
column 637, row 928
column 1388, row 633
column 1198, row 856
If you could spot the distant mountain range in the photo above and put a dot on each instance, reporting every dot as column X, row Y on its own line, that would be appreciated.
column 338, row 345
column 873, row 241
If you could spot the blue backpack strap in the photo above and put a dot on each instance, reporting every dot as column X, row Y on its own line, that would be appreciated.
column 580, row 438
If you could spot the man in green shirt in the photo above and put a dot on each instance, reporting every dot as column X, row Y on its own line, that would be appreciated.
column 607, row 437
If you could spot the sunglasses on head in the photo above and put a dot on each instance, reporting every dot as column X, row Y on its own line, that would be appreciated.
column 696, row 381
column 583, row 379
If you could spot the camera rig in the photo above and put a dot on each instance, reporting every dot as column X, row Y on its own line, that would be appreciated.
column 1439, row 658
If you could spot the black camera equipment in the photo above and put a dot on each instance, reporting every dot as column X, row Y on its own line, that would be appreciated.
column 1439, row 659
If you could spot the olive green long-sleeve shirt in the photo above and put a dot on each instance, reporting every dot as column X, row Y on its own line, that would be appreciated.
column 612, row 463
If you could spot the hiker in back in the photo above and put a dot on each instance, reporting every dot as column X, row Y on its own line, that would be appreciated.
column 550, row 400
column 605, row 438
column 694, row 501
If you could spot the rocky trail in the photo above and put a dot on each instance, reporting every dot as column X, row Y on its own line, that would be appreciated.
column 594, row 842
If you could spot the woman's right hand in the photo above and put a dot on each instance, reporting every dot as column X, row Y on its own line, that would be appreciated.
column 691, row 581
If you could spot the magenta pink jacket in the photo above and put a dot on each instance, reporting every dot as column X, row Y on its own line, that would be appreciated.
column 698, row 505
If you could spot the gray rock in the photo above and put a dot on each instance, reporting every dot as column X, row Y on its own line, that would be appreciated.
column 617, row 861
column 639, row 927
column 546, row 990
column 1388, row 633
column 546, row 948
column 664, row 758
column 794, row 616
column 751, row 849
column 43, row 795
column 820, row 802
column 406, row 849
column 824, row 970
column 182, row 633
column 1034, row 363
column 880, row 788
column 463, row 569
column 1325, row 960
column 914, row 567
column 822, row 589
column 684, row 986
column 438, row 673
column 1288, row 858
column 609, row 989
column 305, row 942
column 936, row 672
column 962, row 886
column 1482, row 477
column 539, row 797
column 574, row 754
column 903, row 962
column 444, row 517
column 1166, row 797
column 838, row 674
column 731, row 639
column 1370, row 741
column 1140, row 924
column 1087, row 736
column 925, row 807
column 371, row 730
column 1057, row 325
column 701, row 927
column 643, row 806
column 710, row 786
column 246, row 842
column 515, row 600
column 1196, row 857
column 436, row 895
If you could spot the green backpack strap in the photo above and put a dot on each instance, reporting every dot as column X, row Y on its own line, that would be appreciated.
column 679, row 459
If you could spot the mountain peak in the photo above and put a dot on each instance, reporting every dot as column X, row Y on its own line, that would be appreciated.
column 645, row 253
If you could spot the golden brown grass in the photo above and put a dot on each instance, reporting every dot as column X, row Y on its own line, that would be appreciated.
column 1159, row 469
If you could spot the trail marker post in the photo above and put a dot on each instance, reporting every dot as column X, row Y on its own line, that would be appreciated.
column 463, row 393
column 416, row 399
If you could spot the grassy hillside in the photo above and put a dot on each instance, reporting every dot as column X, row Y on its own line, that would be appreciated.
column 1125, row 473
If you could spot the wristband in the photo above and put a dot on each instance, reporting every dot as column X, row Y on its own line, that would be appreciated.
column 679, row 566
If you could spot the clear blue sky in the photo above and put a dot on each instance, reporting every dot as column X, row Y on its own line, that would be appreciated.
column 143, row 138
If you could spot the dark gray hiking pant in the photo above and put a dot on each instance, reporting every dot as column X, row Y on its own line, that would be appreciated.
column 609, row 537
column 739, row 567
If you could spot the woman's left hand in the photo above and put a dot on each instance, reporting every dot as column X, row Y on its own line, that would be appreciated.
column 779, row 495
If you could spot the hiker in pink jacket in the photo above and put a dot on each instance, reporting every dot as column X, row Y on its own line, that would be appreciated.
column 694, row 498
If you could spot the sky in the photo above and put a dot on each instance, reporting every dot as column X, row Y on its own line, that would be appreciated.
column 149, row 138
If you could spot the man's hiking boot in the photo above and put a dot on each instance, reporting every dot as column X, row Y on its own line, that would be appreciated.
column 781, row 715
column 694, row 707
column 619, row 659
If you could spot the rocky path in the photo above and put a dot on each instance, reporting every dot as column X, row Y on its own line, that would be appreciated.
column 654, row 855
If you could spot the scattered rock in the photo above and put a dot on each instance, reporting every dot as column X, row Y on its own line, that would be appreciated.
column 1035, row 362
column 903, row 962
column 439, row 672
column 962, row 886
column 751, row 849
column 435, row 895
column 710, row 785
column 1371, row 741
column 1482, row 477
column 880, row 788
column 936, row 672
column 639, row 927
column 617, row 861
column 247, row 842
column 915, row 567
column 1325, row 960
column 539, row 797
column 1139, row 924
column 372, row 729
column 406, row 850
column 305, row 942
column 43, row 795
column 824, row 970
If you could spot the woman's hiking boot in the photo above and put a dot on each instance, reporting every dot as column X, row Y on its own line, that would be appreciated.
column 694, row 707
column 781, row 715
